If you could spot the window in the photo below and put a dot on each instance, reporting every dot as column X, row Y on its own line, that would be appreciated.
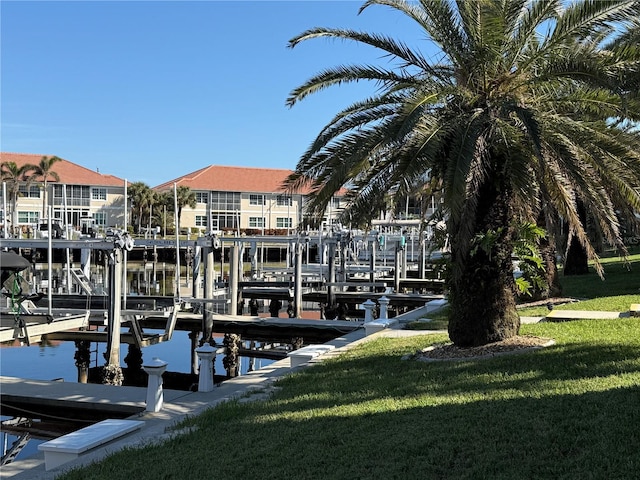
column 225, row 201
column 221, row 221
column 256, row 222
column 284, row 201
column 98, row 194
column 28, row 217
column 202, row 197
column 201, row 220
column 32, row 192
column 100, row 219
column 256, row 199
column 282, row 222
column 77, row 195
column 335, row 202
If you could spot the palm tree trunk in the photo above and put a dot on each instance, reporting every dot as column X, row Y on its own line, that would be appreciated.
column 577, row 261
column 482, row 288
column 548, row 252
column 552, row 279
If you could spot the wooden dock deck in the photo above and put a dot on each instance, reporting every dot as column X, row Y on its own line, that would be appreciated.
column 71, row 401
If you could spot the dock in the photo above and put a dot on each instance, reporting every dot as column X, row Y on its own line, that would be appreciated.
column 177, row 405
column 256, row 328
column 71, row 401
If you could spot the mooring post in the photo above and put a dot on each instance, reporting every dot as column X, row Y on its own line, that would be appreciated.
column 209, row 271
column 233, row 278
column 206, row 354
column 297, row 299
column 195, row 273
column 193, row 336
column 231, row 361
column 368, row 306
column 384, row 306
column 112, row 372
column 83, row 359
column 397, row 267
column 253, row 256
column 372, row 261
column 331, row 298
column 155, row 394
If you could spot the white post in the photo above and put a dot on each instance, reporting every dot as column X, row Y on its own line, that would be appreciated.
column 384, row 305
column 5, row 225
column 125, row 255
column 112, row 354
column 49, row 263
column 125, row 218
column 155, row 395
column 368, row 306
column 206, row 354
column 233, row 278
column 197, row 256
column 297, row 301
column 176, row 222
column 67, row 232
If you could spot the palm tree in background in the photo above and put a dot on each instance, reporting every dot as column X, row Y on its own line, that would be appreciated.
column 14, row 176
column 185, row 197
column 142, row 199
column 526, row 105
column 42, row 171
column 163, row 214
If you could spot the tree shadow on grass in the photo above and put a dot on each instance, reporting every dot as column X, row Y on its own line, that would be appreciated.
column 591, row 435
column 566, row 411
column 552, row 369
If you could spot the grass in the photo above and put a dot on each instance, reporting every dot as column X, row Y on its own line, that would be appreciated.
column 566, row 411
column 615, row 293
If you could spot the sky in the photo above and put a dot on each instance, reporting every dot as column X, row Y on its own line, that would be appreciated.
column 152, row 90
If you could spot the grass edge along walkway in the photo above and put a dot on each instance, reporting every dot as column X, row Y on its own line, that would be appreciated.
column 567, row 411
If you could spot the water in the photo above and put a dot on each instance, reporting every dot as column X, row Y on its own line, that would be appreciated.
column 49, row 362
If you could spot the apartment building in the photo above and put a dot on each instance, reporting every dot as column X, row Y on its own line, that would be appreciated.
column 81, row 196
column 244, row 199
column 229, row 199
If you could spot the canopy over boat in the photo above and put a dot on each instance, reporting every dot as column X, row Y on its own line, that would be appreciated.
column 13, row 262
column 10, row 263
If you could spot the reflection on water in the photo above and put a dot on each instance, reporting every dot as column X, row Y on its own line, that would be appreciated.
column 55, row 361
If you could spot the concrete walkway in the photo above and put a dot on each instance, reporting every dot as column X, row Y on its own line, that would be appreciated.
column 180, row 404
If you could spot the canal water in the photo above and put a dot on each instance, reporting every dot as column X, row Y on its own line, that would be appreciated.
column 56, row 362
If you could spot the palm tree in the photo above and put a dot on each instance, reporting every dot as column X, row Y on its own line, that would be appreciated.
column 43, row 170
column 142, row 198
column 185, row 197
column 163, row 210
column 14, row 176
column 519, row 110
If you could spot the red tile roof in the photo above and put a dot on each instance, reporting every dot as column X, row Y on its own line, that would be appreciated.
column 70, row 173
column 232, row 179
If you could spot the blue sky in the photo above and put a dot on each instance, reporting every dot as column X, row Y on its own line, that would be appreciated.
column 152, row 90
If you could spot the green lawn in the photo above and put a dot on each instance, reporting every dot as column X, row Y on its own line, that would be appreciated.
column 616, row 292
column 567, row 411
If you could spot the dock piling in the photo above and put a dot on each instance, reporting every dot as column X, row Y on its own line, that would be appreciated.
column 206, row 354
column 155, row 394
column 368, row 306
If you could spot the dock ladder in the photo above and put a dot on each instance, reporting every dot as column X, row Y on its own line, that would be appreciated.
column 81, row 279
